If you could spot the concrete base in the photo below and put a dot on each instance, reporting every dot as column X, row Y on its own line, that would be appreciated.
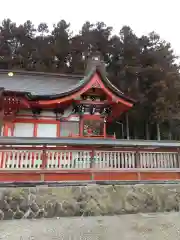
column 90, row 200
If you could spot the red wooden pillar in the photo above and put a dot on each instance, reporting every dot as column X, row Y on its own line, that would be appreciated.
column 81, row 127
column 35, row 129
column 1, row 121
column 1, row 107
column 5, row 132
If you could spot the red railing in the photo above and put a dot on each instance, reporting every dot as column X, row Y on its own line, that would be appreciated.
column 86, row 161
column 84, row 158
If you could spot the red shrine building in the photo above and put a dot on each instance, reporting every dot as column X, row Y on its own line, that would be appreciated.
column 54, row 129
column 57, row 105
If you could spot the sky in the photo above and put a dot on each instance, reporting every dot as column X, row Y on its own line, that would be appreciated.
column 161, row 16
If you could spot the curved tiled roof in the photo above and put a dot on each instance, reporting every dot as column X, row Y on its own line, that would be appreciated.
column 42, row 86
column 37, row 84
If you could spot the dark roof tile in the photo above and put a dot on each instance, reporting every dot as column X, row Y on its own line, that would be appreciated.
column 41, row 86
column 37, row 84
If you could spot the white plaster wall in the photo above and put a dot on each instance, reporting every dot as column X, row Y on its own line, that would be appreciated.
column 44, row 129
column 23, row 129
column 47, row 130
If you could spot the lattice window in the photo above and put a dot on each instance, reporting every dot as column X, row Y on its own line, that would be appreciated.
column 93, row 128
column 68, row 129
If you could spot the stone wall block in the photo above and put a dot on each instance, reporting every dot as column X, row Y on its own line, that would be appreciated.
column 29, row 214
column 18, row 214
column 40, row 214
column 1, row 215
column 50, row 210
column 34, row 207
column 8, row 214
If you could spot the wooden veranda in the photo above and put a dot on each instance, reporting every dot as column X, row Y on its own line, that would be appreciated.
column 65, row 159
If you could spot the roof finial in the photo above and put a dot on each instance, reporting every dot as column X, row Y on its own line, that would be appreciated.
column 96, row 56
column 94, row 60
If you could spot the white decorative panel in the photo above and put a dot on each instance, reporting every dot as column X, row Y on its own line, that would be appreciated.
column 46, row 130
column 23, row 129
column 74, row 118
column 48, row 114
column 24, row 112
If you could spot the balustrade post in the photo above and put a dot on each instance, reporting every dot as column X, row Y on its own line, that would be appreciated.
column 137, row 158
column 92, row 163
column 44, row 158
column 92, row 159
column 178, row 157
column 44, row 162
column 137, row 162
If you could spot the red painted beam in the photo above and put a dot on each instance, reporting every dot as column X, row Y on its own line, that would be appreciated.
column 85, row 175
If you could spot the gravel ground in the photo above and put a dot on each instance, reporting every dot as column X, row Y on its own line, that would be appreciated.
column 158, row 226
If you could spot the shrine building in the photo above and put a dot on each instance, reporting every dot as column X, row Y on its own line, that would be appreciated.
column 54, row 128
column 59, row 105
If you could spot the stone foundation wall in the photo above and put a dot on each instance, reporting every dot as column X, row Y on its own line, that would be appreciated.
column 48, row 202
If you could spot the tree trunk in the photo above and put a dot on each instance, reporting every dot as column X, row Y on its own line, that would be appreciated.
column 147, row 131
column 158, row 132
column 127, row 126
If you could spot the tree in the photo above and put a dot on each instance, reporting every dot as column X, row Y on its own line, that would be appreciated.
column 43, row 29
column 7, row 42
column 24, row 35
column 61, row 45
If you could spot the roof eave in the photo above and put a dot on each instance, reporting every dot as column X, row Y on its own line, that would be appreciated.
column 76, row 88
column 113, row 88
